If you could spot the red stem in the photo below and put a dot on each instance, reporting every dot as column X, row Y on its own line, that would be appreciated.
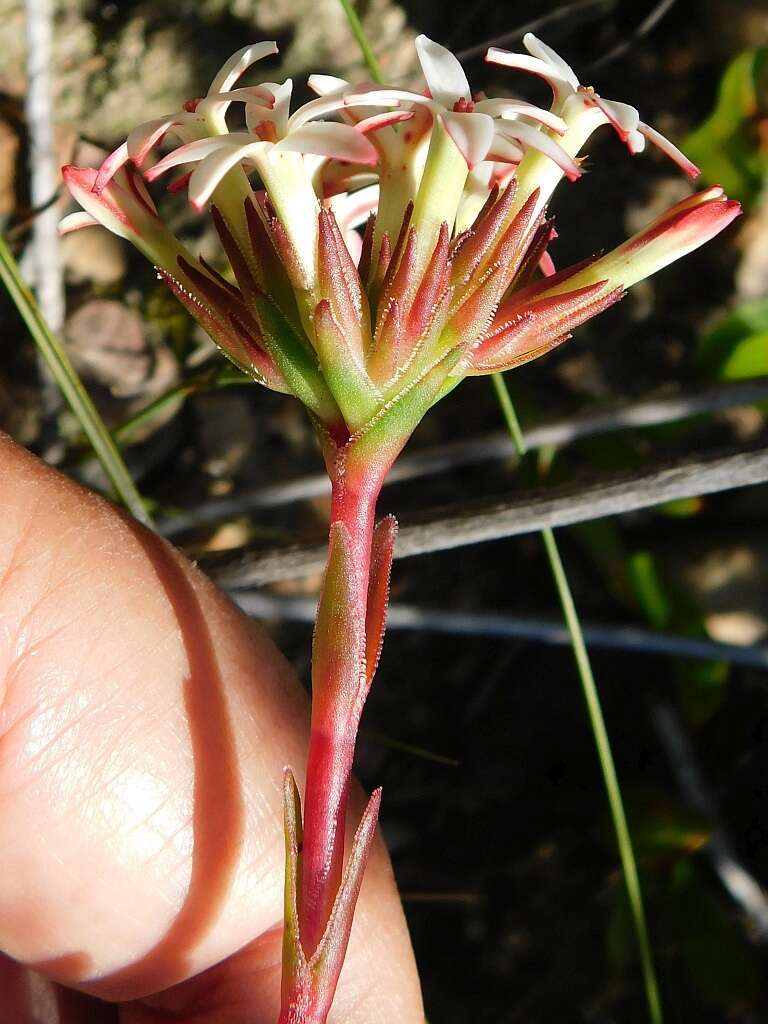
column 334, row 729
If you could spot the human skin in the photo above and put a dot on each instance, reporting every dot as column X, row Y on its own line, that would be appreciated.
column 144, row 727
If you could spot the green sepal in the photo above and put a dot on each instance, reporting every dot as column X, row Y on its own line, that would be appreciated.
column 347, row 379
column 296, row 364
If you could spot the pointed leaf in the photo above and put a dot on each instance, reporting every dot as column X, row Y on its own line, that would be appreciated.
column 327, row 961
column 343, row 369
column 294, row 960
column 378, row 592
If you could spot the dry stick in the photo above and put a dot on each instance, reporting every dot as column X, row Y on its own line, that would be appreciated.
column 475, row 522
column 42, row 261
column 502, row 626
column 559, row 14
column 648, row 23
column 486, row 448
column 736, row 879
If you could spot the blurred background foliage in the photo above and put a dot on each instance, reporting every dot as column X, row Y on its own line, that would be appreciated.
column 501, row 843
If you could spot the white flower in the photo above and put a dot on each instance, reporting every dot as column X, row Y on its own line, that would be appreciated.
column 499, row 130
column 570, row 96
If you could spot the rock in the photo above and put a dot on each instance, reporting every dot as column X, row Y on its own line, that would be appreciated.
column 94, row 255
column 106, row 341
column 729, row 584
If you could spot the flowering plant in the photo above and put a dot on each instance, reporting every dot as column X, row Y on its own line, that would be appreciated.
column 452, row 277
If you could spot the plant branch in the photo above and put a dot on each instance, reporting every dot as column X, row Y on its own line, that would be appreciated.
column 487, row 520
column 485, row 448
column 502, row 626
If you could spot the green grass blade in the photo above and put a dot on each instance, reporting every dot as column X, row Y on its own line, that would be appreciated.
column 362, row 41
column 597, row 722
column 72, row 387
column 220, row 377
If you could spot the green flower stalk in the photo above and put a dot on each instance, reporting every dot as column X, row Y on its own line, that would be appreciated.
column 451, row 277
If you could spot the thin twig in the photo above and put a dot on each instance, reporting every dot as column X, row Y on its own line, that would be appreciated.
column 43, row 163
column 41, row 262
column 536, row 24
column 444, row 529
column 646, row 25
column 485, row 448
column 501, row 626
column 742, row 887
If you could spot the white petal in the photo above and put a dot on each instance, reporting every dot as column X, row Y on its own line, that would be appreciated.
column 471, row 133
column 635, row 143
column 539, row 49
column 670, row 149
column 560, row 86
column 272, row 103
column 519, row 108
column 383, row 96
column 240, row 62
column 325, row 84
column 536, row 139
column 444, row 74
column 208, row 174
column 145, row 136
column 75, row 221
column 110, row 167
column 282, row 105
column 316, row 108
column 353, row 208
column 246, row 94
column 621, row 116
column 330, row 139
column 194, row 151
column 504, row 150
column 383, row 120
column 214, row 107
column 256, row 115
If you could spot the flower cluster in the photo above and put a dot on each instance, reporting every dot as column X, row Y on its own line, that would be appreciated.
column 443, row 283
column 452, row 276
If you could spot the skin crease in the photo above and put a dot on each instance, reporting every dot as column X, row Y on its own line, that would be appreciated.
column 144, row 727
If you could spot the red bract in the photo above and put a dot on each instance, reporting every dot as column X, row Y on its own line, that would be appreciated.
column 453, row 277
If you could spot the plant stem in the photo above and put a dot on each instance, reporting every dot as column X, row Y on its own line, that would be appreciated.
column 72, row 387
column 337, row 701
column 362, row 41
column 600, row 733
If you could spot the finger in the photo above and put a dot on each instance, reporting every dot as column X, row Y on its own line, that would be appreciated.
column 144, row 727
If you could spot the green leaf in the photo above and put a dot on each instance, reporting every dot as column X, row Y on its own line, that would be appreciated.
column 648, row 589
column 720, row 962
column 728, row 146
column 737, row 347
column 681, row 508
column 662, row 825
column 701, row 688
